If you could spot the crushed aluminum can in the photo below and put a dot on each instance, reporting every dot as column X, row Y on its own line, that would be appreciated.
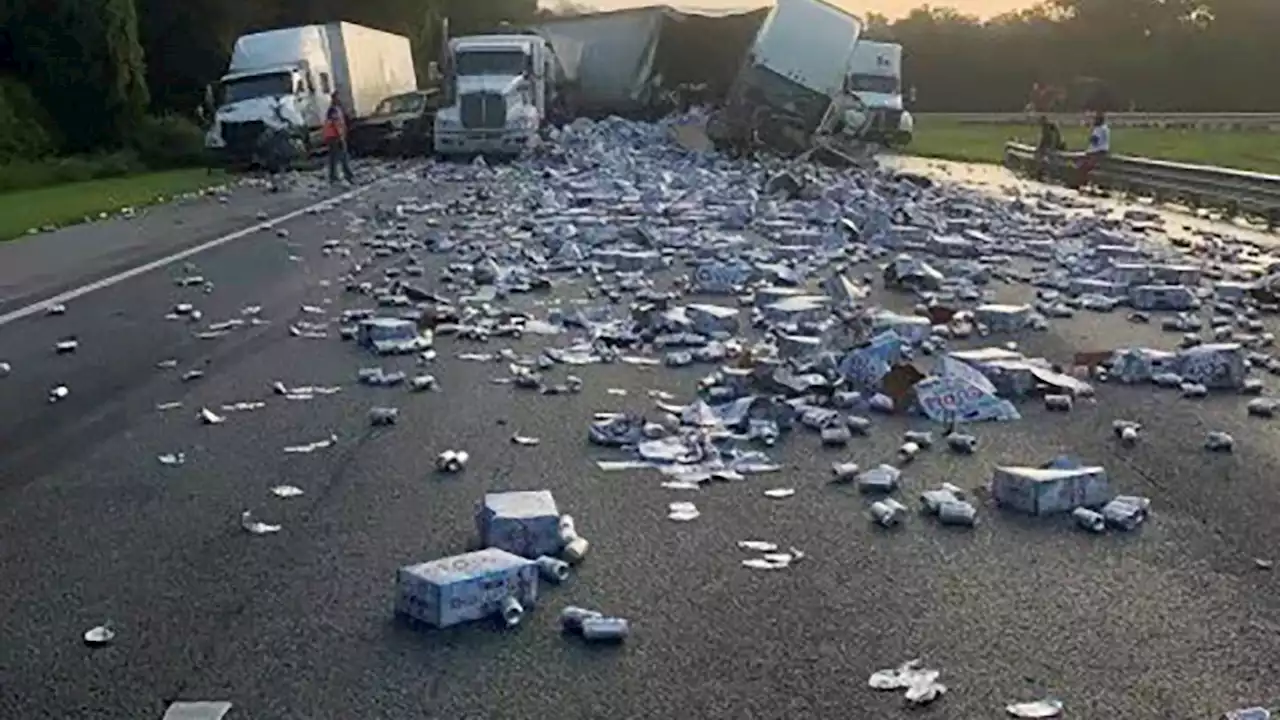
column 922, row 438
column 464, row 588
column 575, row 551
column 932, row 500
column 422, row 383
column 858, row 425
column 1058, row 403
column 881, row 479
column 572, row 617
column 1126, row 430
column 958, row 513
column 1194, row 391
column 962, row 443
column 1261, row 407
column 511, row 611
column 525, row 523
column 1092, row 521
column 908, row 452
column 844, row 472
column 885, row 514
column 452, row 461
column 1219, row 442
column 1123, row 514
column 605, row 629
column 380, row 416
column 836, row 435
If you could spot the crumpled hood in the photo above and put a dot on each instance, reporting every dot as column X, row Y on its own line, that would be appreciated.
column 881, row 101
column 263, row 109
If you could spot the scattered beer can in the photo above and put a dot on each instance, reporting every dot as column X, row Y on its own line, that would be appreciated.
column 1089, row 520
column 605, row 629
column 571, row 618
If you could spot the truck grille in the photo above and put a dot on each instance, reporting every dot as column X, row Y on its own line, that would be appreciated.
column 886, row 120
column 242, row 136
column 484, row 110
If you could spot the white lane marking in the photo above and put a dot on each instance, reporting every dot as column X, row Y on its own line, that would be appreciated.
column 44, row 305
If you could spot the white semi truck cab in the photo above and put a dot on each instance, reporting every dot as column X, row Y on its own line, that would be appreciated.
column 875, row 76
column 277, row 80
column 500, row 90
column 280, row 81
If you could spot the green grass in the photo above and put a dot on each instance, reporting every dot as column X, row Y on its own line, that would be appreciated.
column 950, row 140
column 21, row 210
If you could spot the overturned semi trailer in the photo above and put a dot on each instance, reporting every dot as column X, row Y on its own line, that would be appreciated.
column 633, row 61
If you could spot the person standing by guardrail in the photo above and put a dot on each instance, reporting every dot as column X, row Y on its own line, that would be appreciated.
column 1050, row 144
column 1099, row 147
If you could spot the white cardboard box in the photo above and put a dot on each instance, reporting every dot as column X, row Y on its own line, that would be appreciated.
column 525, row 523
column 466, row 587
column 1041, row 491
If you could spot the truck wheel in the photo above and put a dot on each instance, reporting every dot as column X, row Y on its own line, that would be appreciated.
column 901, row 139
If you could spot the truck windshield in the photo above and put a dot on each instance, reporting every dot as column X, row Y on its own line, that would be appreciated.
column 256, row 86
column 492, row 62
column 397, row 104
column 884, row 84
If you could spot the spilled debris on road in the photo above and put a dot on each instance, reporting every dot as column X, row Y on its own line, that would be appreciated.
column 822, row 305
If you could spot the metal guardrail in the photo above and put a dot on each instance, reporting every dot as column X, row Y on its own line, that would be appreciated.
column 1256, row 122
column 1233, row 192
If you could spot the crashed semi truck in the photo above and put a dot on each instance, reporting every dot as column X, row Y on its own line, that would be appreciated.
column 637, row 63
column 501, row 90
column 875, row 76
column 279, row 83
column 792, row 85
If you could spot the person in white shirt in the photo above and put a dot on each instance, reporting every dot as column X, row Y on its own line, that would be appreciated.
column 1099, row 147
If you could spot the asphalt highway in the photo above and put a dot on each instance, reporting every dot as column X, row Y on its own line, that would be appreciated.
column 1174, row 621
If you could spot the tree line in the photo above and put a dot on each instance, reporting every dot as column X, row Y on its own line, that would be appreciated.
column 1149, row 55
column 81, row 75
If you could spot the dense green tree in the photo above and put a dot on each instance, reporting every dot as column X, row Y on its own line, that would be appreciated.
column 83, row 60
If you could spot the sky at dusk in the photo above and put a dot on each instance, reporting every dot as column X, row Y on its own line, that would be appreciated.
column 892, row 8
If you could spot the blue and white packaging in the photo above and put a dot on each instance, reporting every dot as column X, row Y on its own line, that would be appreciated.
column 1003, row 318
column 525, row 523
column 798, row 346
column 912, row 329
column 1162, row 297
column 952, row 246
column 798, row 309
column 1220, row 366
column 770, row 294
column 1231, row 291
column 1097, row 286
column 1126, row 275
column 1138, row 365
column 952, row 398
column 1047, row 491
column 866, row 366
column 721, row 278
column 1188, row 275
column 466, row 587
column 712, row 319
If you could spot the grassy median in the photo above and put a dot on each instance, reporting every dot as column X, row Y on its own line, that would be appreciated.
column 21, row 210
column 1245, row 150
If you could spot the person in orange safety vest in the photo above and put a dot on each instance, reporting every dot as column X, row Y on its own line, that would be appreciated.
column 335, row 138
